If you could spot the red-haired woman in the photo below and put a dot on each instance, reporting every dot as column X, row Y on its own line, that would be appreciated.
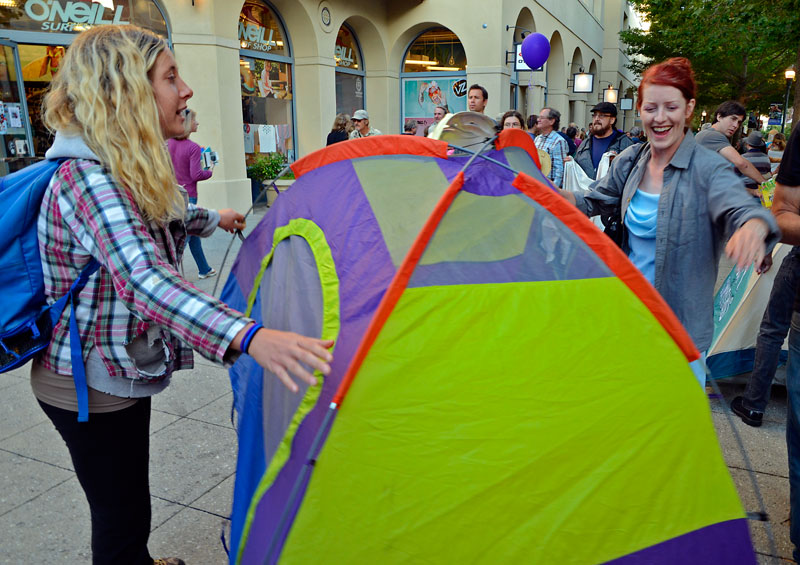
column 678, row 202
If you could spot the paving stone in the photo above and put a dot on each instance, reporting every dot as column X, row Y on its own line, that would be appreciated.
column 24, row 480
column 40, row 442
column 20, row 410
column 191, row 390
column 52, row 529
column 193, row 536
column 217, row 412
column 218, row 500
column 189, row 458
column 765, row 446
column 775, row 492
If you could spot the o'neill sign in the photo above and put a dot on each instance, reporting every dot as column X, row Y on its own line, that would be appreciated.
column 57, row 16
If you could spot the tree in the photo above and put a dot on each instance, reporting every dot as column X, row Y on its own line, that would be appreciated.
column 739, row 48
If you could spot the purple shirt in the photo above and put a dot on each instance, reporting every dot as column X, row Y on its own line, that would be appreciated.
column 188, row 166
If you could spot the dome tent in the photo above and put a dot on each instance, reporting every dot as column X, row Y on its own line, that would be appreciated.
column 506, row 387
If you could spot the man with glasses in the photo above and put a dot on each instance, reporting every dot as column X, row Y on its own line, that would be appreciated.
column 361, row 123
column 551, row 142
column 604, row 138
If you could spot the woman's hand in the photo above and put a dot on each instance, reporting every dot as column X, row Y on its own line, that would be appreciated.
column 746, row 245
column 283, row 352
column 230, row 220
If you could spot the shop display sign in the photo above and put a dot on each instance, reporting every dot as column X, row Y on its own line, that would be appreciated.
column 74, row 16
column 55, row 16
column 256, row 37
column 343, row 56
column 346, row 51
column 420, row 97
column 259, row 29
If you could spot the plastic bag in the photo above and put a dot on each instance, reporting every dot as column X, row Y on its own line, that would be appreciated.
column 575, row 179
column 605, row 164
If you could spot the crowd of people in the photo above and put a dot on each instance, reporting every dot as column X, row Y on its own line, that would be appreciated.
column 115, row 199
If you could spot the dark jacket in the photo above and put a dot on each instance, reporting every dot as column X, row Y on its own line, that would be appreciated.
column 570, row 144
column 583, row 156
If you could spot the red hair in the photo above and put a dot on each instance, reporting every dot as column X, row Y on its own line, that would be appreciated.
column 676, row 72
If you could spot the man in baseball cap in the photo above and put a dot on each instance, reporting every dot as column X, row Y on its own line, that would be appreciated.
column 361, row 123
column 604, row 137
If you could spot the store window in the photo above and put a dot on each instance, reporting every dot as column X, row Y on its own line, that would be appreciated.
column 349, row 73
column 265, row 67
column 434, row 74
column 35, row 35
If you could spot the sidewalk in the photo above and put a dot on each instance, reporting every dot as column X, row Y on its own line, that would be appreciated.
column 45, row 519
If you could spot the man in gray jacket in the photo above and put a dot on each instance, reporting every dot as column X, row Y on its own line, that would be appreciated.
column 604, row 138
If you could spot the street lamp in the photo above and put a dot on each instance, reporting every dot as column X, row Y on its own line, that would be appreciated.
column 703, row 115
column 610, row 94
column 789, row 74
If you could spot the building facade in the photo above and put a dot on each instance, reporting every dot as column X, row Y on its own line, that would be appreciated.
column 270, row 76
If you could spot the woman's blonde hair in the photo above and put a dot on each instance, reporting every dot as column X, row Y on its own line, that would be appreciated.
column 188, row 119
column 340, row 122
column 102, row 92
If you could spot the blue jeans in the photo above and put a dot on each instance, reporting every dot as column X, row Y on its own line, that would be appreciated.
column 196, row 247
column 793, row 432
column 772, row 333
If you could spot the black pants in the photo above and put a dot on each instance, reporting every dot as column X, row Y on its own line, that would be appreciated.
column 111, row 455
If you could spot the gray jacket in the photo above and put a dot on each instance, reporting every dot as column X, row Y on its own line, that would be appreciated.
column 702, row 203
column 583, row 156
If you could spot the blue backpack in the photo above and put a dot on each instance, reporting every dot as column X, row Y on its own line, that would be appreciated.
column 26, row 320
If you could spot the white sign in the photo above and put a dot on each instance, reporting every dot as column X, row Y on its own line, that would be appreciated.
column 343, row 56
column 519, row 62
column 56, row 16
column 14, row 113
column 256, row 36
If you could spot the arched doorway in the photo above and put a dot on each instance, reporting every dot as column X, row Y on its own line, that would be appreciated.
column 350, row 72
column 266, row 76
column 521, row 81
column 434, row 73
column 555, row 68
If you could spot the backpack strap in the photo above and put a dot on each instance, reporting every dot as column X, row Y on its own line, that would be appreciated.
column 75, row 349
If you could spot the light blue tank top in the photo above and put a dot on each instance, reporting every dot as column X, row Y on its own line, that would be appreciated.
column 640, row 219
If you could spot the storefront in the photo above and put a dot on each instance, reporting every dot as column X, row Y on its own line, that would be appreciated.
column 434, row 74
column 34, row 36
column 350, row 73
column 266, row 74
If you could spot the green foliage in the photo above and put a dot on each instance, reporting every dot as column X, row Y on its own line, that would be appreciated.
column 267, row 167
column 739, row 48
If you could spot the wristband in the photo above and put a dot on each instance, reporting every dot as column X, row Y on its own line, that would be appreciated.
column 248, row 337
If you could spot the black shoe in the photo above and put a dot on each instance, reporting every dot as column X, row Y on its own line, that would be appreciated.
column 749, row 417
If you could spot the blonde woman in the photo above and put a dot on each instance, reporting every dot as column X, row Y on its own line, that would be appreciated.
column 116, row 99
column 340, row 130
column 187, row 160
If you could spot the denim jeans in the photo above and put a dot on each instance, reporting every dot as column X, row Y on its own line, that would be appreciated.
column 774, row 327
column 196, row 247
column 793, row 432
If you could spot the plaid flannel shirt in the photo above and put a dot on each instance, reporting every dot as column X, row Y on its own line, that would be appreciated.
column 556, row 146
column 85, row 214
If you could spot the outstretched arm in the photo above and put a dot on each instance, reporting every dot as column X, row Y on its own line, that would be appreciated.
column 283, row 352
column 745, row 167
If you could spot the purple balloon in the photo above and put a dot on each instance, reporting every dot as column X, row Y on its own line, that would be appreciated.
column 535, row 50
